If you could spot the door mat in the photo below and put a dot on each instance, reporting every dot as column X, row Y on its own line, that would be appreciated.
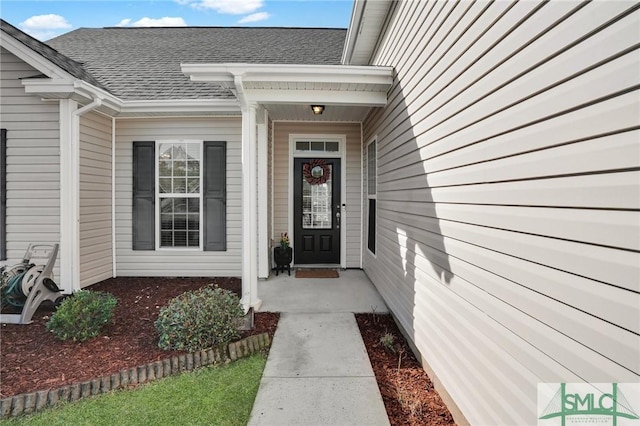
column 317, row 273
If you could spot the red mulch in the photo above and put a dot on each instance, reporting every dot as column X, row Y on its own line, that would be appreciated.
column 31, row 359
column 408, row 394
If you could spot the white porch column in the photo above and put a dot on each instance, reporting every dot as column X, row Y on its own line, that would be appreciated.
column 263, row 200
column 69, row 204
column 249, row 209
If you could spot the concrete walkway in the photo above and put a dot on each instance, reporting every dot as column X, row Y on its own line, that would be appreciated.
column 318, row 371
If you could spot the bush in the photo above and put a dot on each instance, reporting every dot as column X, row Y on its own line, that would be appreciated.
column 81, row 316
column 199, row 319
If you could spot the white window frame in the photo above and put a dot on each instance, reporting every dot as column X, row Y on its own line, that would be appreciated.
column 175, row 195
column 374, row 195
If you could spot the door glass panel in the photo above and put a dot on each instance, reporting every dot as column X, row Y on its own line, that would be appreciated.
column 316, row 203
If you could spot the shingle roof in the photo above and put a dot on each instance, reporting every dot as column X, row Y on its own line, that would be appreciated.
column 67, row 64
column 144, row 63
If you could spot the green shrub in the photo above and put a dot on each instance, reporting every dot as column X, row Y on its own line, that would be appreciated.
column 199, row 319
column 82, row 315
column 387, row 340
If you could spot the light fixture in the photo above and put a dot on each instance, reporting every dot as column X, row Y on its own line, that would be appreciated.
column 317, row 109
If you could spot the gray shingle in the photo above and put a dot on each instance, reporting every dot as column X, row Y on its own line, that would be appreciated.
column 144, row 63
column 69, row 65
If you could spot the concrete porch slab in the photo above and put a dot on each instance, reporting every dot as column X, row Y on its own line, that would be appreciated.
column 351, row 292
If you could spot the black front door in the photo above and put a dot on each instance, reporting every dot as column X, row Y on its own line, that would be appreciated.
column 316, row 207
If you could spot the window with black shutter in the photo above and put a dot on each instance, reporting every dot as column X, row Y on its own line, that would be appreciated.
column 183, row 185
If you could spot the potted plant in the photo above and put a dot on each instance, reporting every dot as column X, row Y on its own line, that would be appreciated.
column 283, row 254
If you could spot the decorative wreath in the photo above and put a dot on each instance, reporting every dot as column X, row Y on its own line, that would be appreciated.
column 316, row 172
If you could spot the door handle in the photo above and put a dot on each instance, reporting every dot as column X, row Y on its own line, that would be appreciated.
column 338, row 216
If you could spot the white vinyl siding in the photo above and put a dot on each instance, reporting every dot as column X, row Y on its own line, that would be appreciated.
column 508, row 196
column 168, row 262
column 33, row 161
column 351, row 171
column 96, row 263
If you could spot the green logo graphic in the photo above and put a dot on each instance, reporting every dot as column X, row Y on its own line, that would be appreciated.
column 585, row 402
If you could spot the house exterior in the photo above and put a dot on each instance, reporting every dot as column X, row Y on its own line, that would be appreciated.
column 478, row 160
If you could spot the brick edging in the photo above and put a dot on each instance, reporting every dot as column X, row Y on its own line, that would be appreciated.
column 27, row 403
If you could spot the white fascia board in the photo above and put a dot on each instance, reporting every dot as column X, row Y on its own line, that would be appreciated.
column 207, row 106
column 32, row 58
column 159, row 106
column 225, row 73
column 58, row 88
column 329, row 97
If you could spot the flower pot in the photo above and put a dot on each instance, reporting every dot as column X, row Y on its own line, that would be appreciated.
column 282, row 257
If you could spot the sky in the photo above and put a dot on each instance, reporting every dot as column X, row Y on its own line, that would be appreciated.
column 45, row 19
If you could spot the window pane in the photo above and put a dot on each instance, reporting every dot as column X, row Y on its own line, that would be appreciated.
column 193, row 205
column 166, row 222
column 193, row 151
column 166, row 239
column 193, row 185
column 164, row 169
column 302, row 146
column 371, row 168
column 180, row 221
column 165, row 185
column 166, row 205
column 180, row 205
column 179, row 152
column 179, row 185
column 179, row 168
column 193, row 222
column 180, row 238
column 194, row 239
column 332, row 146
column 316, row 204
column 165, row 151
column 193, row 168
column 317, row 146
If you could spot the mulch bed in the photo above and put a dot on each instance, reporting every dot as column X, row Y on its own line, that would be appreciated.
column 31, row 359
column 407, row 391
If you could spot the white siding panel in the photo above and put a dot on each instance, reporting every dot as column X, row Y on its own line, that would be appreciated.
column 96, row 260
column 350, row 171
column 509, row 196
column 33, row 161
column 168, row 262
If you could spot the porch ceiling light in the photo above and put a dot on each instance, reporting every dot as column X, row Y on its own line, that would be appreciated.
column 317, row 109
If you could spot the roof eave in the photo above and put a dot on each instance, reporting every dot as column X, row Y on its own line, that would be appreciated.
column 277, row 83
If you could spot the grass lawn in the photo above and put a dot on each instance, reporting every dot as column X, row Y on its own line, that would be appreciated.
column 218, row 395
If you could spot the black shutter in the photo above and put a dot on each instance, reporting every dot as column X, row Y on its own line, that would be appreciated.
column 3, row 194
column 371, row 241
column 215, row 196
column 144, row 196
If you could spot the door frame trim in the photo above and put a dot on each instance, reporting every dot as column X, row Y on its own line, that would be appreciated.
column 341, row 154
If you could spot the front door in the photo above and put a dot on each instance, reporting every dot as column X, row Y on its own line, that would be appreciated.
column 316, row 211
